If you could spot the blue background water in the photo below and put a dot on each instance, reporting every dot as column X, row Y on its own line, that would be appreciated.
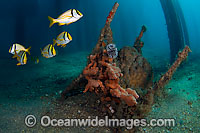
column 26, row 22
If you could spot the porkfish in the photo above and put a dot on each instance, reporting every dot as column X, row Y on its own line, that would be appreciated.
column 21, row 57
column 63, row 39
column 17, row 48
column 66, row 18
column 48, row 51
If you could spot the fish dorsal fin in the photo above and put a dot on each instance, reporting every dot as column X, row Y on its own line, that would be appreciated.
column 66, row 14
column 49, row 45
column 60, row 36
column 46, row 48
column 19, row 47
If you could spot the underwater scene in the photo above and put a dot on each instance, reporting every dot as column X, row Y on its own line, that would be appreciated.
column 85, row 66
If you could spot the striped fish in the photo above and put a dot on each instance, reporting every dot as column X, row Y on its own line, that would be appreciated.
column 48, row 51
column 63, row 39
column 18, row 47
column 66, row 18
column 21, row 57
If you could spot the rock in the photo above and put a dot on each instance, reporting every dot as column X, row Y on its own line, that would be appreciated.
column 136, row 69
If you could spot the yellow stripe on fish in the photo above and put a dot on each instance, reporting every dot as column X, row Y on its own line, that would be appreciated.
column 66, row 18
column 21, row 57
column 48, row 51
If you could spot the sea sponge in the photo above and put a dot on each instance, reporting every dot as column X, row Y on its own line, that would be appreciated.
column 103, row 76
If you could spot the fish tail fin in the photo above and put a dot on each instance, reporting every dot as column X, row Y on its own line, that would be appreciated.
column 52, row 21
column 54, row 42
column 28, row 50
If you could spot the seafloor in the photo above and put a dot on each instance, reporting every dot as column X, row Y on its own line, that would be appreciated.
column 33, row 89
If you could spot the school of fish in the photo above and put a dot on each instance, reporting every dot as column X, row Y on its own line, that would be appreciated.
column 68, row 17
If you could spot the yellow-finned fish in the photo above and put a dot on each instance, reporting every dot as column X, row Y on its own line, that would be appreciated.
column 37, row 60
column 48, row 51
column 21, row 57
column 17, row 47
column 63, row 39
column 66, row 18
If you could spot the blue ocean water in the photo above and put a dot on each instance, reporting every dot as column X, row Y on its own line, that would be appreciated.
column 26, row 22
